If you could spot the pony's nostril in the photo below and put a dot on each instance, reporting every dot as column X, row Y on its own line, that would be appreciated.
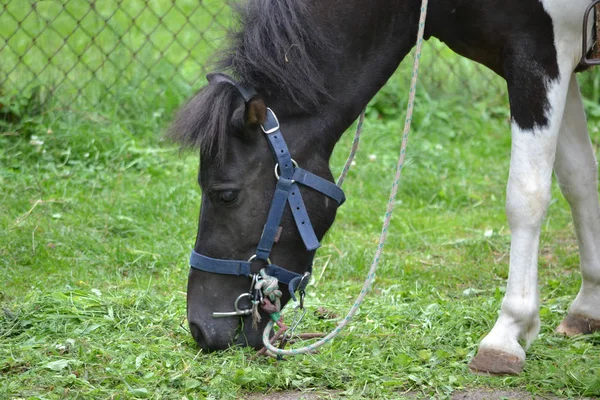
column 212, row 338
column 199, row 336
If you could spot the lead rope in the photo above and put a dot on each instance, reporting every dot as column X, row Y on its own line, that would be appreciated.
column 388, row 214
column 354, row 149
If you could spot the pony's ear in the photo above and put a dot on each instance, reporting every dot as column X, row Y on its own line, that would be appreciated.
column 247, row 118
column 255, row 113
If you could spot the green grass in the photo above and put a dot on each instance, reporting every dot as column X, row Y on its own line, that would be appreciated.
column 97, row 216
column 98, row 220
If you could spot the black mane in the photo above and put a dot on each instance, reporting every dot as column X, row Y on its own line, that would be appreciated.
column 204, row 121
column 276, row 48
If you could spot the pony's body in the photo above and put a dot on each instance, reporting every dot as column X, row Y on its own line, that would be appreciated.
column 317, row 64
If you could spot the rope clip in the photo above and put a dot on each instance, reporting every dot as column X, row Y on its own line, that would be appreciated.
column 302, row 295
column 299, row 314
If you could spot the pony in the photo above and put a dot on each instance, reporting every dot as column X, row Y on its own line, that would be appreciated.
column 303, row 70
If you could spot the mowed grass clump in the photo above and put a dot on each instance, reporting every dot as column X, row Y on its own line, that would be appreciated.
column 98, row 216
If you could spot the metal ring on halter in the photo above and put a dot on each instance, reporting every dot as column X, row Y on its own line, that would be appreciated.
column 277, row 168
column 236, row 305
column 254, row 257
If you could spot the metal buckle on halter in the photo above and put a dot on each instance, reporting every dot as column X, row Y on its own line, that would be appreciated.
column 271, row 130
column 294, row 163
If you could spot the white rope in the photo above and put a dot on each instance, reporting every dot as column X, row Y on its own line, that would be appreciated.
column 388, row 214
column 354, row 149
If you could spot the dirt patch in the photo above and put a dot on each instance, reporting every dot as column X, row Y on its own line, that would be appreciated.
column 320, row 395
column 493, row 394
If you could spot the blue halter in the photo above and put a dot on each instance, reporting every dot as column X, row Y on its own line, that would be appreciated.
column 289, row 177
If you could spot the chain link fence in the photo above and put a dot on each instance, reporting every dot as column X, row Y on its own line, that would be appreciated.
column 89, row 51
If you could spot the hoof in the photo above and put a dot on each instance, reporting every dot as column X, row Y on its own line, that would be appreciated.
column 573, row 326
column 496, row 362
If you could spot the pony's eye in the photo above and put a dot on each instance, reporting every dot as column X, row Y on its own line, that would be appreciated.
column 227, row 196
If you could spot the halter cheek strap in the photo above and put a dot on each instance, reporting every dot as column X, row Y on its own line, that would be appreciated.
column 287, row 191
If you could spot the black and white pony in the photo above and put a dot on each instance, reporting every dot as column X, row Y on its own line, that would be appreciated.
column 316, row 64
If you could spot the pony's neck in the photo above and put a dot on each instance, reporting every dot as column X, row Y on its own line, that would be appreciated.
column 373, row 38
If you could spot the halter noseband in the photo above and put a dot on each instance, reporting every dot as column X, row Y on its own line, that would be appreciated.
column 289, row 176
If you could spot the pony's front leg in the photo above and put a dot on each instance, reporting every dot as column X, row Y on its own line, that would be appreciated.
column 528, row 195
column 577, row 173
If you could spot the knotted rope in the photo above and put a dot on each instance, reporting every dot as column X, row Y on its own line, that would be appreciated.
column 271, row 302
column 388, row 215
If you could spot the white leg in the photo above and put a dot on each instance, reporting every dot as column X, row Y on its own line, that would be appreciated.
column 528, row 192
column 576, row 170
column 527, row 199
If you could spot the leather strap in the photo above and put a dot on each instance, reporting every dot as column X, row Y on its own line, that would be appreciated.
column 246, row 91
column 319, row 184
column 243, row 268
column 302, row 220
column 267, row 239
column 218, row 266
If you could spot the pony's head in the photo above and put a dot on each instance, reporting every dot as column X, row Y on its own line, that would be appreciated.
column 277, row 54
column 243, row 185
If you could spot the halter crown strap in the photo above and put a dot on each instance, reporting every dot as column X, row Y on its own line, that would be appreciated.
column 246, row 91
